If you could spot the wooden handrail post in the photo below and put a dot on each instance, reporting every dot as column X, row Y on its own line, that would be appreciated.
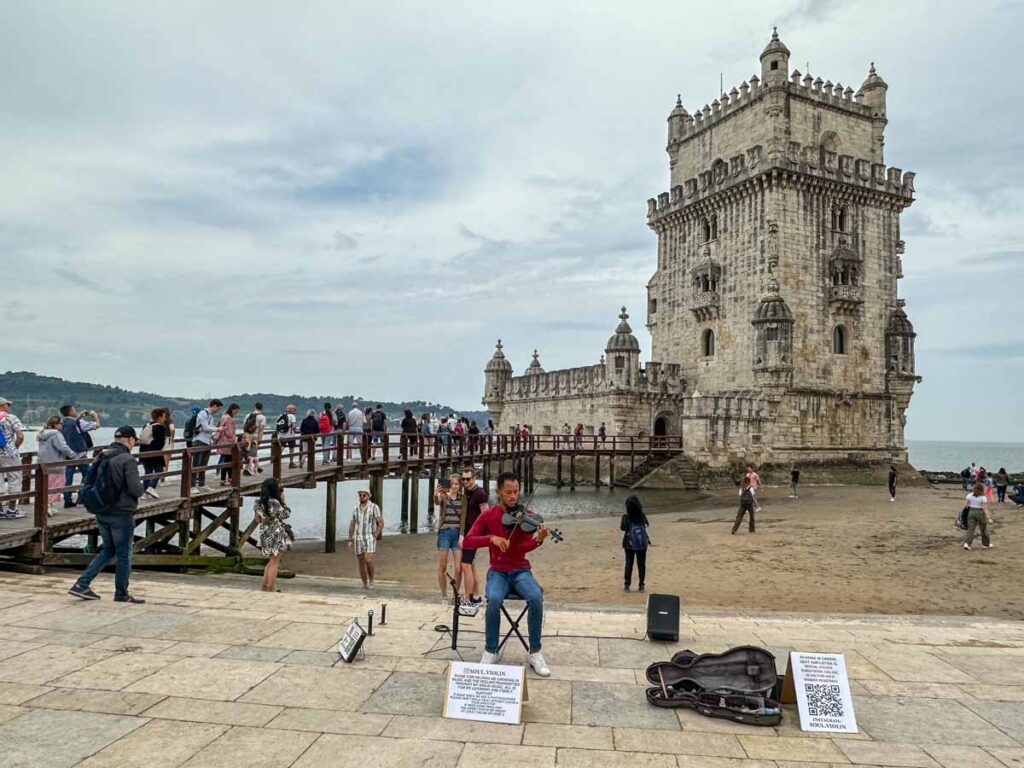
column 186, row 474
column 40, row 499
column 311, row 453
column 275, row 456
column 339, row 455
column 26, row 476
column 236, row 465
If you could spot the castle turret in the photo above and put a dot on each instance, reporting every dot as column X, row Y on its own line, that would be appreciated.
column 774, row 61
column 678, row 119
column 899, row 344
column 623, row 354
column 497, row 375
column 535, row 368
column 872, row 95
column 773, row 342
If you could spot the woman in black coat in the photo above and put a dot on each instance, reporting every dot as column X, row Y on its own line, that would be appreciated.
column 635, row 540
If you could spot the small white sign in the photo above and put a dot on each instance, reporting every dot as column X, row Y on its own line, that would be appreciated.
column 493, row 693
column 822, row 692
column 351, row 642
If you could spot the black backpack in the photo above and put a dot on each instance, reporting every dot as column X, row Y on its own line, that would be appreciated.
column 249, row 425
column 747, row 496
column 98, row 493
column 281, row 424
column 190, row 426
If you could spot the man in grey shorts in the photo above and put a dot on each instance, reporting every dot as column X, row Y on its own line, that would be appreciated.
column 363, row 533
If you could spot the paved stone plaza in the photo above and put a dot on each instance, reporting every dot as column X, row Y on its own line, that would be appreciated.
column 212, row 672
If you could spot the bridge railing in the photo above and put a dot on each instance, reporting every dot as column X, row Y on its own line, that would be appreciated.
column 185, row 466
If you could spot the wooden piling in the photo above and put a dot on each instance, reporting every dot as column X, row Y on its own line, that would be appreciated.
column 611, row 472
column 414, row 503
column 405, row 500
column 597, row 471
column 331, row 521
column 558, row 471
column 572, row 471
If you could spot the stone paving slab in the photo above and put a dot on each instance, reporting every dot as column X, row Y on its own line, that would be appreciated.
column 212, row 671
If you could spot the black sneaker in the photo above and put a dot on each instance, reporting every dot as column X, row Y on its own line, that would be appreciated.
column 69, row 505
column 130, row 599
column 641, row 588
column 84, row 594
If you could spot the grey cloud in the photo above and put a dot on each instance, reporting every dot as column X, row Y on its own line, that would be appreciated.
column 79, row 279
column 344, row 242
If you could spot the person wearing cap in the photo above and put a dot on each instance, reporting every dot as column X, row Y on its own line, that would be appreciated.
column 116, row 522
column 363, row 533
column 13, row 432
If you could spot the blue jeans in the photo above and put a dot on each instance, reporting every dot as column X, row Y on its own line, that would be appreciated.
column 117, row 531
column 69, row 477
column 499, row 584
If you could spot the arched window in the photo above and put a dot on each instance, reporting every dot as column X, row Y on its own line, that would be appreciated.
column 705, row 229
column 620, row 363
column 714, row 226
column 707, row 343
column 839, row 340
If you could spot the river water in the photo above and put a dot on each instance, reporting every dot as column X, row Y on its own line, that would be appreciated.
column 308, row 505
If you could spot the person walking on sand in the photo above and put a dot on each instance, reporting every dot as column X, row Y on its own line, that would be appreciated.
column 119, row 471
column 794, row 481
column 893, row 476
column 755, row 486
column 53, row 448
column 276, row 535
column 450, row 498
column 746, row 506
column 224, row 438
column 364, row 532
column 635, row 542
column 1002, row 480
column 977, row 516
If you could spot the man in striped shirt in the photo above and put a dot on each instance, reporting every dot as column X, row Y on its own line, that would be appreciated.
column 363, row 533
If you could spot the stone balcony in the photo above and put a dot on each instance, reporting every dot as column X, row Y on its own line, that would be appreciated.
column 705, row 305
column 845, row 298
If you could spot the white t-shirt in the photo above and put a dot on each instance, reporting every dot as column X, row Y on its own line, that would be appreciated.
column 976, row 502
column 356, row 419
column 292, row 421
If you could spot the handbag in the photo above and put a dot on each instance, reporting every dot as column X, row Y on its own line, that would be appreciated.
column 289, row 532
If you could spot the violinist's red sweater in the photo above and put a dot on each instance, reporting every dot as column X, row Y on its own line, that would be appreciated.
column 489, row 524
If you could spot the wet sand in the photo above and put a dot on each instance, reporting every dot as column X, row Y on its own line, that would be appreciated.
column 835, row 549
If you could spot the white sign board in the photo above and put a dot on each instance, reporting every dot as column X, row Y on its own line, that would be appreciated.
column 351, row 641
column 493, row 693
column 822, row 692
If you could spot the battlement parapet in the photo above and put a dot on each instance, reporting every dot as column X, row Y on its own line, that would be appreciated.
column 592, row 380
column 812, row 159
column 685, row 126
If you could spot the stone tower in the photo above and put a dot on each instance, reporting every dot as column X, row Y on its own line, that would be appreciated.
column 777, row 330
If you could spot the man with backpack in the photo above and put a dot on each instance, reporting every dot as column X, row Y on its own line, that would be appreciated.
column 252, row 435
column 747, row 507
column 12, row 434
column 203, row 438
column 76, row 434
column 111, row 491
column 287, row 426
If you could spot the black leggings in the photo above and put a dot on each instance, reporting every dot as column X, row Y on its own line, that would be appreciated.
column 641, row 565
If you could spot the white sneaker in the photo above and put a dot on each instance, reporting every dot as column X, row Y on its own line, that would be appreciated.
column 489, row 658
column 539, row 665
column 444, row 601
column 151, row 492
column 966, row 545
column 988, row 546
column 51, row 511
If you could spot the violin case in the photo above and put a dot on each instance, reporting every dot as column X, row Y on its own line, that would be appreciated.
column 740, row 684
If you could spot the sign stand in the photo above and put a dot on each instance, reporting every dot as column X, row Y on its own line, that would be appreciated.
column 491, row 693
column 818, row 684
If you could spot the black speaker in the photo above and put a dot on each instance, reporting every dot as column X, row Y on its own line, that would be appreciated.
column 663, row 617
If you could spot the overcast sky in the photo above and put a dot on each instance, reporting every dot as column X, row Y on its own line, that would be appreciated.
column 359, row 198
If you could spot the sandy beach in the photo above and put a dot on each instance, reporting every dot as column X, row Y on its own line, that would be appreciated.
column 834, row 549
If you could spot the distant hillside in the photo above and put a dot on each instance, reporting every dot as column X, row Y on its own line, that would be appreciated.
column 37, row 397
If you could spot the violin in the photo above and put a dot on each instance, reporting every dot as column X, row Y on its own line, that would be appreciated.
column 528, row 521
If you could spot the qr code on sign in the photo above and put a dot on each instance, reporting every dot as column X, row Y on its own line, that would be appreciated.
column 823, row 700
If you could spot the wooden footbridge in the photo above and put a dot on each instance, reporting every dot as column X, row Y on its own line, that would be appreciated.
column 177, row 529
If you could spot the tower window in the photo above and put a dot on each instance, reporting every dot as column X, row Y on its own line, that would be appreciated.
column 707, row 343
column 771, row 333
column 705, row 230
column 775, row 65
column 839, row 340
column 620, row 362
column 839, row 218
